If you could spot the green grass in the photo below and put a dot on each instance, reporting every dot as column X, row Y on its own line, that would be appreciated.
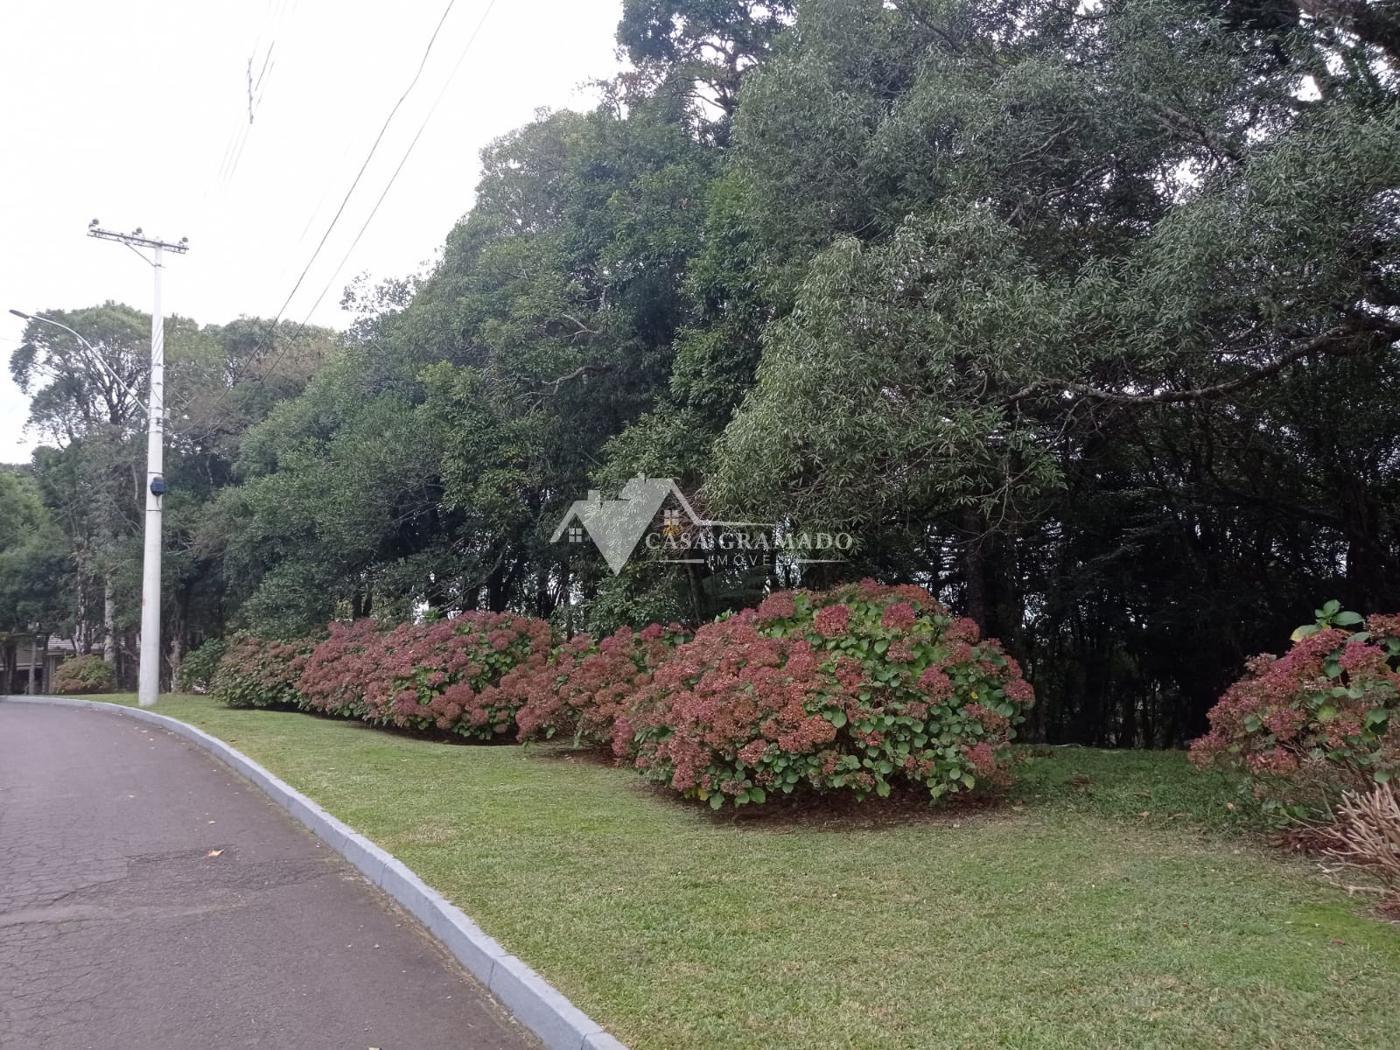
column 1154, row 787
column 1106, row 906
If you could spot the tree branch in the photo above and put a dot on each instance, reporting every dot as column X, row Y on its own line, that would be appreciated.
column 550, row 387
column 1324, row 343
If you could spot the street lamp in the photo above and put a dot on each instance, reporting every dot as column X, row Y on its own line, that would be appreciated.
column 92, row 351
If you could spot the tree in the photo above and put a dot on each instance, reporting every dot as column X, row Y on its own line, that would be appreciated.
column 701, row 49
column 33, row 559
column 425, row 465
column 1023, row 241
column 33, row 564
column 89, row 402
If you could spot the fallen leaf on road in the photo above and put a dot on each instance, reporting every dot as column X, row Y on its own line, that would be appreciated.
column 213, row 853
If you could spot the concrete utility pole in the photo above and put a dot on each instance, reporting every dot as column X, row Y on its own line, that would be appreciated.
column 148, row 687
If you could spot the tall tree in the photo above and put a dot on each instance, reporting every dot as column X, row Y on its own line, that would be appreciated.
column 1023, row 238
column 700, row 50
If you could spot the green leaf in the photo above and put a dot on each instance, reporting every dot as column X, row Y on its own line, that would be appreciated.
column 716, row 800
column 836, row 718
column 1347, row 619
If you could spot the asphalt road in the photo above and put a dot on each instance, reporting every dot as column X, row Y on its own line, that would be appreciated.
column 150, row 898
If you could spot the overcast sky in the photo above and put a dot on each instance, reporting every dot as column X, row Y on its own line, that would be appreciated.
column 135, row 112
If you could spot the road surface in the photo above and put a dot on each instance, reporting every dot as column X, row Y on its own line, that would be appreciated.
column 150, row 898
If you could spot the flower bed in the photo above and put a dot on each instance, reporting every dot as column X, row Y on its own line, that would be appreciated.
column 862, row 689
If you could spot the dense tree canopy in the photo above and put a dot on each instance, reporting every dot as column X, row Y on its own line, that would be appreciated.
column 33, row 556
column 91, row 479
column 1083, row 315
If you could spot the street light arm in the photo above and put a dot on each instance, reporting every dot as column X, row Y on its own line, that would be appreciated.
column 96, row 357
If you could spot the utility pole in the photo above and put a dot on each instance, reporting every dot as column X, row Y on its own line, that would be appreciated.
column 148, row 687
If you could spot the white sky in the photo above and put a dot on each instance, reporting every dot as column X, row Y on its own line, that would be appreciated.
column 126, row 112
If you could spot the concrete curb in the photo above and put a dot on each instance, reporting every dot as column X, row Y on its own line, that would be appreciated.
column 532, row 1000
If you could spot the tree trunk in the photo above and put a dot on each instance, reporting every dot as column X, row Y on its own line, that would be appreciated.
column 109, row 624
column 80, row 625
column 566, row 598
column 974, row 570
column 8, row 659
column 177, row 651
column 543, row 603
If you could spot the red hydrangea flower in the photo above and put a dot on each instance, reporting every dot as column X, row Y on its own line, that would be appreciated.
column 898, row 616
column 777, row 606
column 832, row 620
column 936, row 683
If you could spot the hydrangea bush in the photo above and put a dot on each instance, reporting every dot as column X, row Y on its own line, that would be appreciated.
column 447, row 675
column 260, row 672
column 81, row 675
column 333, row 680
column 197, row 669
column 587, row 684
column 860, row 689
column 1318, row 721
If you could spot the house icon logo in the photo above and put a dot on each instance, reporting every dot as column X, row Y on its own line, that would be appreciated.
column 617, row 525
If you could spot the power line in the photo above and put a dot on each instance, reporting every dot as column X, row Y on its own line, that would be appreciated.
column 406, row 154
column 368, row 157
column 256, row 89
column 275, row 358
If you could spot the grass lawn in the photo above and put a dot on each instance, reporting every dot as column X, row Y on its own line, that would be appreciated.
column 1110, row 905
